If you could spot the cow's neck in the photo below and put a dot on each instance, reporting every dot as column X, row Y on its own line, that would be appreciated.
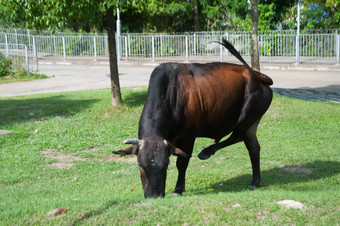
column 155, row 119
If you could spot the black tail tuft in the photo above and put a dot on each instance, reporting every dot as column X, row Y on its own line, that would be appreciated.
column 233, row 51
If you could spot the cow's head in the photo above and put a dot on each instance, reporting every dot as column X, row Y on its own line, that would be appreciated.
column 153, row 160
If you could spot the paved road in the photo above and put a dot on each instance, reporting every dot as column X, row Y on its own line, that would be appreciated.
column 71, row 77
column 77, row 77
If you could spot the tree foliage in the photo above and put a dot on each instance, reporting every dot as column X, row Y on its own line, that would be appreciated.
column 167, row 15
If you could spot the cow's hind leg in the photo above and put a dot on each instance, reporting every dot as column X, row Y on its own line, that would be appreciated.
column 209, row 151
column 253, row 108
column 182, row 165
column 253, row 147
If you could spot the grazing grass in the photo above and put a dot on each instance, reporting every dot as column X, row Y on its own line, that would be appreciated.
column 21, row 77
column 59, row 155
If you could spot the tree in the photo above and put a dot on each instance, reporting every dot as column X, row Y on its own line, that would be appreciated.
column 195, row 15
column 115, row 86
column 226, row 15
column 255, row 58
column 58, row 14
column 315, row 14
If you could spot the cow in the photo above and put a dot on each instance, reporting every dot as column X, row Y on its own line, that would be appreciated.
column 190, row 100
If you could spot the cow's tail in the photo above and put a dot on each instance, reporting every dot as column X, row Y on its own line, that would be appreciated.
column 233, row 51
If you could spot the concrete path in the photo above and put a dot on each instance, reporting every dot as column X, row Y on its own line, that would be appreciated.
column 76, row 77
column 72, row 77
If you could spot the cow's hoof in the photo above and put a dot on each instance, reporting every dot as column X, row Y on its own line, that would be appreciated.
column 176, row 194
column 205, row 154
column 252, row 187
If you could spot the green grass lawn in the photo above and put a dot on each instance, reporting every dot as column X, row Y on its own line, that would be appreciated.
column 24, row 77
column 59, row 155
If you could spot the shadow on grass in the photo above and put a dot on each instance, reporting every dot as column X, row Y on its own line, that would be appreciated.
column 309, row 172
column 133, row 98
column 316, row 94
column 18, row 110
column 94, row 213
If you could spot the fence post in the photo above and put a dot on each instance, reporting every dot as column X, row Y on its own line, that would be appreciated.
column 26, row 57
column 35, row 51
column 338, row 49
column 95, row 48
column 161, row 40
column 118, row 47
column 55, row 49
column 64, row 50
column 29, row 38
column 34, row 48
column 297, row 56
column 6, row 41
column 153, row 48
column 16, row 38
column 186, row 49
column 221, row 50
column 227, row 38
column 129, row 51
column 195, row 43
column 106, row 45
column 336, row 37
column 126, row 50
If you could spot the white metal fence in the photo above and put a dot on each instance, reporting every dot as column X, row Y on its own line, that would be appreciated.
column 201, row 46
column 20, row 55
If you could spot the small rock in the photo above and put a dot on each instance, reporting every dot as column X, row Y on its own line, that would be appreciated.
column 291, row 204
column 4, row 132
column 236, row 205
column 57, row 212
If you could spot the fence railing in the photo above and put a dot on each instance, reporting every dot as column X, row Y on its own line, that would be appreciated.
column 273, row 47
column 20, row 55
column 196, row 47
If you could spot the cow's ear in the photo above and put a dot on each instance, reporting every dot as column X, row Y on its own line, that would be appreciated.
column 127, row 151
column 175, row 151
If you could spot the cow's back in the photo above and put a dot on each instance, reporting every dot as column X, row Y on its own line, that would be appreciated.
column 211, row 97
column 198, row 100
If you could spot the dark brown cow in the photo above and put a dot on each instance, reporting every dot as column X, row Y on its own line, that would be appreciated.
column 186, row 101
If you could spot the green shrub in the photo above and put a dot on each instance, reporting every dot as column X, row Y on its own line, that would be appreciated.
column 5, row 66
column 10, row 71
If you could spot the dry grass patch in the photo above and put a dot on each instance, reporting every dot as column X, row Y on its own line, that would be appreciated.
column 62, row 161
column 59, row 160
column 115, row 158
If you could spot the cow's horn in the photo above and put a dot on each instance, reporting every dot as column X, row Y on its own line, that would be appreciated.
column 132, row 141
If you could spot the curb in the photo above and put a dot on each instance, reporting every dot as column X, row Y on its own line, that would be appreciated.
column 264, row 66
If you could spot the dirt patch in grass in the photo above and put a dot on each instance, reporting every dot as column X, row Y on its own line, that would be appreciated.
column 4, row 132
column 59, row 160
column 116, row 158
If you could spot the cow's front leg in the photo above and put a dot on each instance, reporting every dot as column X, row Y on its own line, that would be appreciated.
column 182, row 165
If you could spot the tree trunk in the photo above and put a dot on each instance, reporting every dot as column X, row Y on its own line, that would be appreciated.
column 115, row 87
column 195, row 14
column 255, row 58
